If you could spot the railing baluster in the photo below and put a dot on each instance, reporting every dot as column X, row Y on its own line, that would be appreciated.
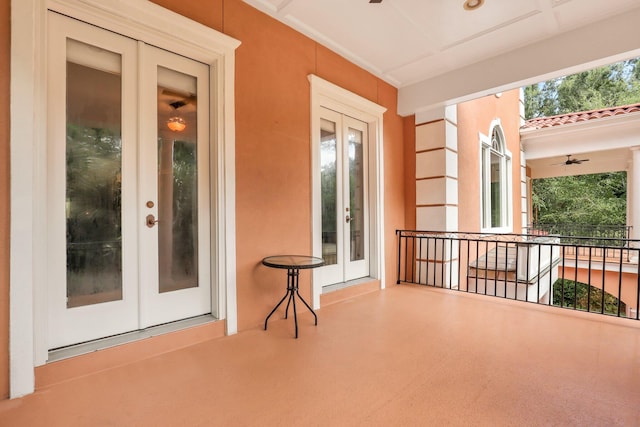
column 604, row 271
column 638, row 286
column 442, row 268
column 589, row 283
column 562, row 280
column 575, row 281
column 419, row 258
column 399, row 234
column 416, row 258
column 620, row 283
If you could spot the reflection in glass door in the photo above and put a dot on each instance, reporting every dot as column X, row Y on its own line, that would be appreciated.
column 343, row 200
column 329, row 190
column 357, row 232
column 93, row 177
column 177, row 182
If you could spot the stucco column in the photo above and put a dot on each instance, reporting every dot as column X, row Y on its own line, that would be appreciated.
column 437, row 195
column 437, row 173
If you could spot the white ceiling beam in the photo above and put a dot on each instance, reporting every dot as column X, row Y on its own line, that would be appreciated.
column 600, row 43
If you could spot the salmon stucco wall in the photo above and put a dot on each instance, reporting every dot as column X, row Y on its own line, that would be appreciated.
column 5, row 42
column 473, row 117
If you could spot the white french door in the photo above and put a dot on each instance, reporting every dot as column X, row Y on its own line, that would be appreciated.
column 344, row 197
column 128, row 197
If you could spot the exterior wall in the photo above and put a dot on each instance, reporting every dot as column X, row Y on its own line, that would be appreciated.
column 273, row 182
column 5, row 31
column 474, row 117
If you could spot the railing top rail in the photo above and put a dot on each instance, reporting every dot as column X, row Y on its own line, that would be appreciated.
column 585, row 241
column 551, row 224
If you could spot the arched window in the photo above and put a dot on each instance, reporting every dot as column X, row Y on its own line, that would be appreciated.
column 495, row 187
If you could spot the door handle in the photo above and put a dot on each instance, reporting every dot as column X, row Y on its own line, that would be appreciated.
column 348, row 218
column 151, row 220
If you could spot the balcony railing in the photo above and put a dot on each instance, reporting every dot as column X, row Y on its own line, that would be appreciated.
column 571, row 272
column 602, row 237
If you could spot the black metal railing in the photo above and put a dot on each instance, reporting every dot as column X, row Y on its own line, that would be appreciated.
column 603, row 237
column 541, row 269
column 619, row 233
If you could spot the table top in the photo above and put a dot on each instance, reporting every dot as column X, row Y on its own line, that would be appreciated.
column 293, row 261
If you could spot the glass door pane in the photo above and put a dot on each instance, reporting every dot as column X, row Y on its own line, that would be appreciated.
column 356, row 194
column 174, row 189
column 328, row 188
column 177, row 181
column 93, row 175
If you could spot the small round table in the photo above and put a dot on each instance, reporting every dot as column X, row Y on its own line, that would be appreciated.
column 293, row 264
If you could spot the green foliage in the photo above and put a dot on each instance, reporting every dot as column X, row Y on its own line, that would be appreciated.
column 588, row 199
column 599, row 199
column 93, row 169
column 567, row 293
column 603, row 87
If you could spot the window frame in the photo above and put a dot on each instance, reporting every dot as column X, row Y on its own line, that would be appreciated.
column 506, row 185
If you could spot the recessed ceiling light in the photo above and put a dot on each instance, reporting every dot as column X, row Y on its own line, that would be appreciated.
column 472, row 4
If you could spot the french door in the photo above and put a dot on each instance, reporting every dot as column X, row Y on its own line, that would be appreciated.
column 344, row 197
column 127, row 184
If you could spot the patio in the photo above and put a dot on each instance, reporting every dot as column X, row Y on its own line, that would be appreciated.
column 407, row 355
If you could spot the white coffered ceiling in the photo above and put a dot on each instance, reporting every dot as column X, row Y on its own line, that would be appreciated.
column 409, row 42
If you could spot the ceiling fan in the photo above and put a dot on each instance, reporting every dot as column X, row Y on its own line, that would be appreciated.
column 571, row 161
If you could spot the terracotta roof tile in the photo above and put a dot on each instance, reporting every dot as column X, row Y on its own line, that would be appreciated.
column 581, row 116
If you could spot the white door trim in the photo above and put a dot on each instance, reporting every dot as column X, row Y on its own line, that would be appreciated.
column 328, row 95
column 139, row 19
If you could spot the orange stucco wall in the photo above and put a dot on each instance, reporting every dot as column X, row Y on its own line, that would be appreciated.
column 5, row 29
column 273, row 180
column 473, row 117
column 273, row 194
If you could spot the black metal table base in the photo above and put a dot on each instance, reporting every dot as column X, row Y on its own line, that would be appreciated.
column 292, row 291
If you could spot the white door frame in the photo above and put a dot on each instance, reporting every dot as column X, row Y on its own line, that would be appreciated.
column 344, row 269
column 328, row 95
column 141, row 20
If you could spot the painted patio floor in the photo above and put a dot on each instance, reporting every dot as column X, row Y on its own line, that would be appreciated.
column 405, row 356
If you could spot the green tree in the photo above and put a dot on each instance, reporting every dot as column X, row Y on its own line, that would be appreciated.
column 602, row 87
column 581, row 296
column 583, row 199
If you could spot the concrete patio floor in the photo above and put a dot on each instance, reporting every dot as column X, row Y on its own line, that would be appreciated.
column 405, row 356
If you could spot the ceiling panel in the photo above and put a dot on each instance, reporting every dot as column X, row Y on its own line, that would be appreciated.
column 378, row 34
column 449, row 23
column 409, row 41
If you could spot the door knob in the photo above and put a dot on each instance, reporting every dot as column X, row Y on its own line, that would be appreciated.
column 348, row 218
column 151, row 221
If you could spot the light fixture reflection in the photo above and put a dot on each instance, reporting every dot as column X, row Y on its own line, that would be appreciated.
column 176, row 124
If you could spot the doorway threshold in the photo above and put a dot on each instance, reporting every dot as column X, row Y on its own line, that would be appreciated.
column 126, row 338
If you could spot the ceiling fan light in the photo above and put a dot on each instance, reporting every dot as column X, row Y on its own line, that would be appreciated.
column 472, row 4
column 176, row 124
